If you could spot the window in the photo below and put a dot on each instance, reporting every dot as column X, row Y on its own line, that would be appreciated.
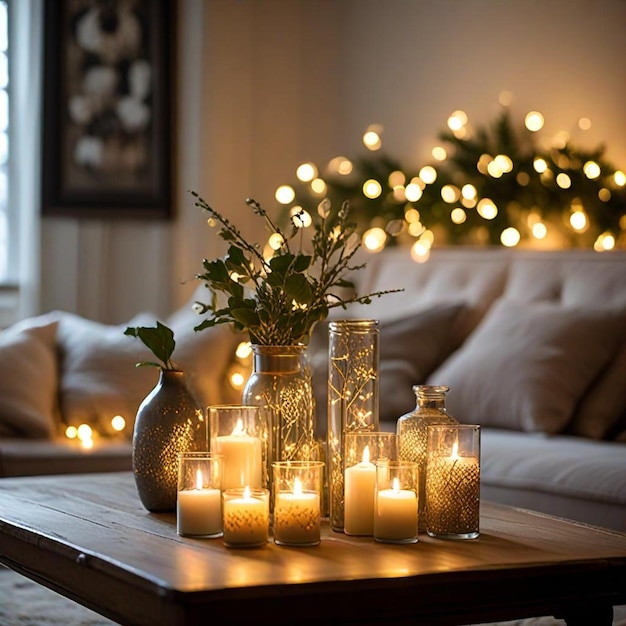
column 4, row 141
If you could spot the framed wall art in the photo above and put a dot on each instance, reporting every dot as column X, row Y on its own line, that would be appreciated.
column 107, row 113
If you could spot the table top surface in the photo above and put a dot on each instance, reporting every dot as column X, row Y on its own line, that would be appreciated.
column 89, row 537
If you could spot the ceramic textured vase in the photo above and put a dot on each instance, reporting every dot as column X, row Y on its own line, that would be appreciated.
column 169, row 421
column 281, row 385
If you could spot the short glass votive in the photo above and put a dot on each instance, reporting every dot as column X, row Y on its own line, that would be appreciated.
column 246, row 517
column 238, row 432
column 199, row 496
column 453, row 481
column 362, row 450
column 396, row 503
column 297, row 493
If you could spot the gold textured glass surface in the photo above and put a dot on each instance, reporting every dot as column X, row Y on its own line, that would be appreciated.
column 297, row 494
column 353, row 386
column 453, row 481
column 169, row 421
column 281, row 386
column 412, row 430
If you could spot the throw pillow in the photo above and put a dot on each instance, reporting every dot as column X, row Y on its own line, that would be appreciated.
column 28, row 378
column 528, row 364
column 601, row 408
column 410, row 349
column 98, row 375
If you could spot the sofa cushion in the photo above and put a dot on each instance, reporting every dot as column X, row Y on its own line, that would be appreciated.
column 528, row 364
column 98, row 375
column 410, row 349
column 560, row 475
column 29, row 378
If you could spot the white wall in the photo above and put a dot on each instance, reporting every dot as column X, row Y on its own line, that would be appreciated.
column 266, row 84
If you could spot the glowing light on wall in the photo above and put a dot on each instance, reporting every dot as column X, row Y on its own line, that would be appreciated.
column 534, row 121
column 285, row 194
column 306, row 172
column 372, row 188
column 510, row 237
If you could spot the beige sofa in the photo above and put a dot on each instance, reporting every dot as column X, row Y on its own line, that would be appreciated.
column 532, row 345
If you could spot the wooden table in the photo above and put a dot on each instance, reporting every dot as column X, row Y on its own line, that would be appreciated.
column 89, row 538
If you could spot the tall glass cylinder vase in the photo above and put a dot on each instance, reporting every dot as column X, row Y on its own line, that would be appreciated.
column 281, row 386
column 353, row 384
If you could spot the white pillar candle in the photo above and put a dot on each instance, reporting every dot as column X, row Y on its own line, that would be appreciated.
column 359, row 486
column 395, row 516
column 297, row 517
column 243, row 459
column 246, row 519
column 199, row 511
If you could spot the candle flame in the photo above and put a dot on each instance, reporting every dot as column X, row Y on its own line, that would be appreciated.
column 395, row 485
column 247, row 493
column 455, row 450
column 239, row 429
column 199, row 480
column 366, row 454
column 297, row 487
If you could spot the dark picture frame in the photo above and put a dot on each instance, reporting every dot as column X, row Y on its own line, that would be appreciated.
column 108, row 108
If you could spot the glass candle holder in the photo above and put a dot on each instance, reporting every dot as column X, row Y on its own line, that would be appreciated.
column 246, row 517
column 239, row 433
column 396, row 503
column 297, row 493
column 199, row 496
column 353, row 388
column 362, row 451
column 453, row 481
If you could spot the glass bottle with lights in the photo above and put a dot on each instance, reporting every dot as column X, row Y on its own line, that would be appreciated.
column 412, row 431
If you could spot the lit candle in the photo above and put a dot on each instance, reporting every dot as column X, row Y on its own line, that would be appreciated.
column 395, row 516
column 360, row 483
column 246, row 517
column 453, row 494
column 199, row 511
column 297, row 517
column 243, row 459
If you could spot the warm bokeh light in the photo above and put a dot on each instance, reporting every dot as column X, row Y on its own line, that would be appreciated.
column 371, row 137
column 318, row 186
column 299, row 217
column 428, row 174
column 458, row 215
column 494, row 170
column 620, row 178
column 504, row 163
column 505, row 98
column 510, row 237
column 539, row 230
column 439, row 153
column 84, row 431
column 457, row 120
column 341, row 165
column 604, row 194
column 592, row 170
column 487, row 209
column 306, row 172
column 563, row 180
column 412, row 215
column 413, row 192
column 71, row 432
column 584, row 123
column 606, row 241
column 244, row 350
column 469, row 192
column 450, row 193
column 285, row 194
column 578, row 220
column 540, row 165
column 534, row 121
column 118, row 423
column 374, row 239
column 420, row 252
column 275, row 241
column 396, row 179
column 372, row 188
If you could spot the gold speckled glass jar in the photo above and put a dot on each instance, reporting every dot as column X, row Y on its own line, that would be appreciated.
column 169, row 421
column 412, row 431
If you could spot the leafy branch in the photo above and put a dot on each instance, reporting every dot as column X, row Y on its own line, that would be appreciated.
column 160, row 341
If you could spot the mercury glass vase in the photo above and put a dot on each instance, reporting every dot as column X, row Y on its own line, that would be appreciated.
column 169, row 421
column 412, row 431
column 353, row 387
column 281, row 385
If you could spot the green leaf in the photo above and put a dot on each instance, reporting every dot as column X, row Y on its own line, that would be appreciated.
column 160, row 341
column 302, row 263
column 281, row 263
column 297, row 288
column 246, row 317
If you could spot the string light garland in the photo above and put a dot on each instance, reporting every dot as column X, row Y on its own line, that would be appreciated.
column 494, row 185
